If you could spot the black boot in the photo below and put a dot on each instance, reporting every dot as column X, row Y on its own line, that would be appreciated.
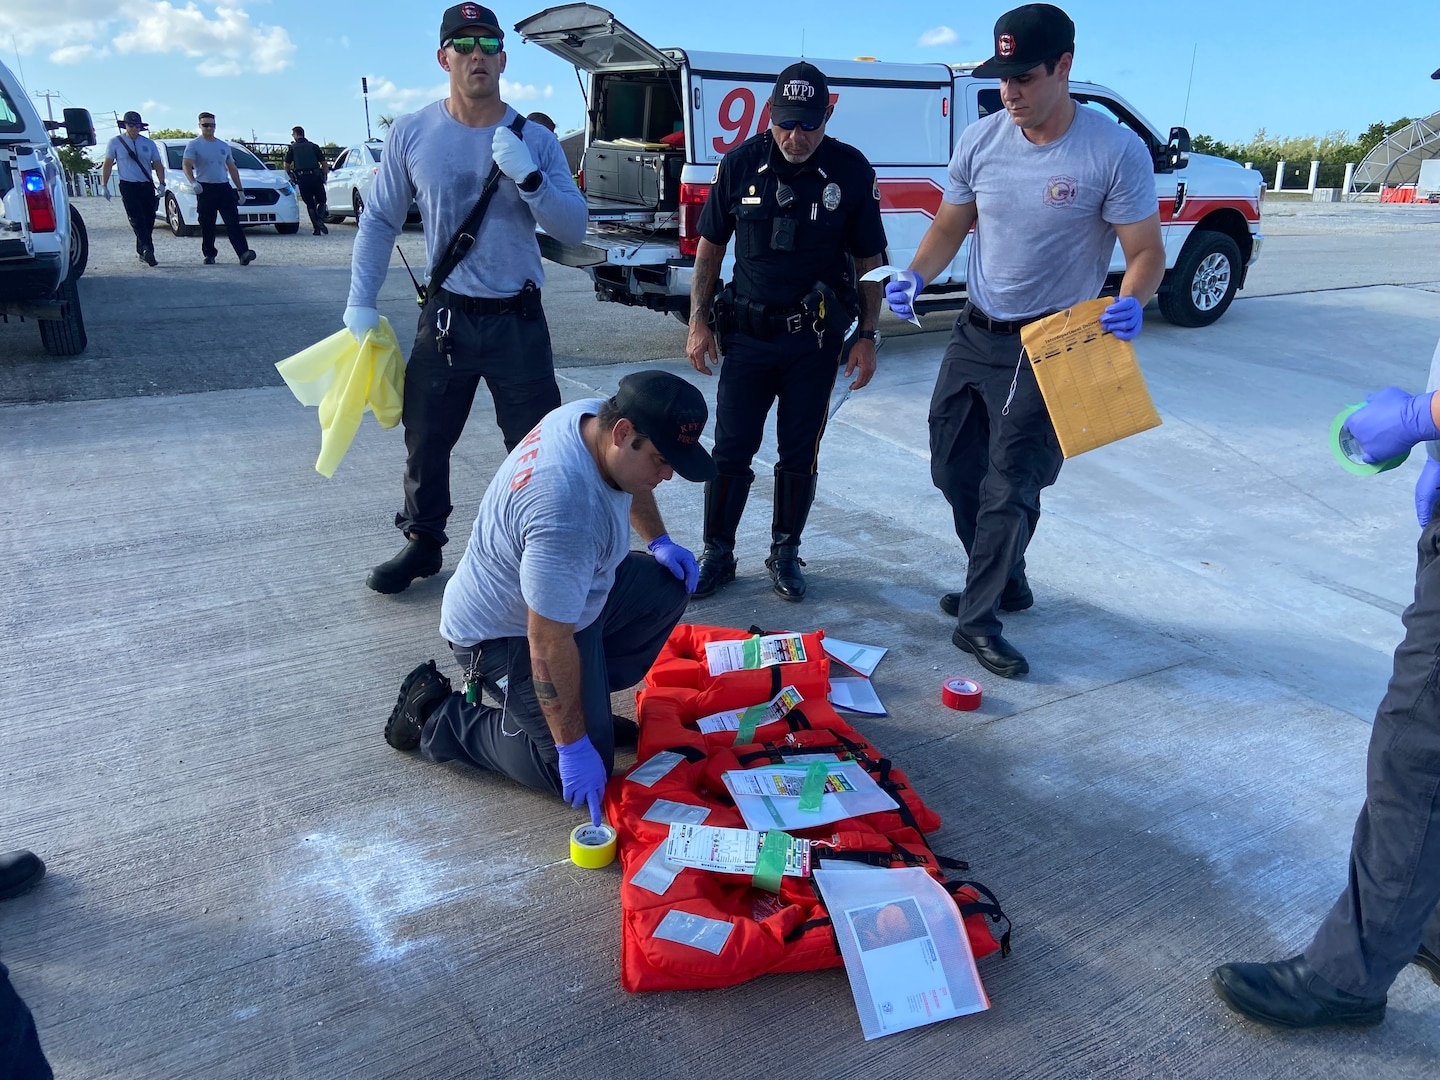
column 419, row 558
column 724, row 503
column 794, row 492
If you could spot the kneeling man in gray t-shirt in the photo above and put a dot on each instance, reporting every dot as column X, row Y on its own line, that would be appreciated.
column 549, row 610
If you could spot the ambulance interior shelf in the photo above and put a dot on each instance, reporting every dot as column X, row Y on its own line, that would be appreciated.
column 628, row 159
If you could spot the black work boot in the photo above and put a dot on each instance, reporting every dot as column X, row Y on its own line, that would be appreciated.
column 724, row 504
column 419, row 558
column 19, row 871
column 794, row 492
column 423, row 689
column 1290, row 994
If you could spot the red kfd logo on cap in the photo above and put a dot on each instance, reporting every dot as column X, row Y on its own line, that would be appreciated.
column 1005, row 45
column 470, row 11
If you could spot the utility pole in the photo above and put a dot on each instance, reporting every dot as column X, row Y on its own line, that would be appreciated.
column 47, row 95
column 365, row 93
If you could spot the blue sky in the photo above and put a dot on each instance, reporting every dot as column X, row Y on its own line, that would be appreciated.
column 263, row 65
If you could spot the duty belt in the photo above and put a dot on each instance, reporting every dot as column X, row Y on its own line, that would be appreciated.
column 996, row 326
column 761, row 321
column 483, row 305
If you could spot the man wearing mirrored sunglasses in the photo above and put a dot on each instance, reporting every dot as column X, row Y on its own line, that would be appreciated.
column 210, row 167
column 484, row 320
column 800, row 205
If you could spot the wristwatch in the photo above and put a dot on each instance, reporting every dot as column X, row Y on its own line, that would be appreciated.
column 870, row 335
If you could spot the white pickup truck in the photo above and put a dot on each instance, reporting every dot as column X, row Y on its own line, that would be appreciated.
column 43, row 244
column 659, row 121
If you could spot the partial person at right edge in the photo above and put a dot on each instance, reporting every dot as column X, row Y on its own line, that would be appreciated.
column 1388, row 915
column 485, row 319
column 549, row 610
column 1049, row 187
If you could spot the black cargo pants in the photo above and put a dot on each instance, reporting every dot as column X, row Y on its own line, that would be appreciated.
column 140, row 202
column 511, row 353
column 616, row 651
column 1392, row 901
column 222, row 199
column 990, row 462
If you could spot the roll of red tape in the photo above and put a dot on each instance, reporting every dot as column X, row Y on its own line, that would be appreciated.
column 962, row 694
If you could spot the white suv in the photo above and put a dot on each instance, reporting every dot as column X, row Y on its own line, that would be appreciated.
column 43, row 245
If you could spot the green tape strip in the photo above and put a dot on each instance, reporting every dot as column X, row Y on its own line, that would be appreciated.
column 751, row 652
column 812, row 790
column 770, row 863
column 1343, row 446
column 749, row 721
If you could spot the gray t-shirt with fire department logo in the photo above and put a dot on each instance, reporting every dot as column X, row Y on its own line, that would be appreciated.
column 1045, row 214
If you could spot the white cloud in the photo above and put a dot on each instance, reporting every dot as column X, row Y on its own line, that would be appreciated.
column 936, row 36
column 77, row 54
column 227, row 44
column 404, row 99
column 512, row 91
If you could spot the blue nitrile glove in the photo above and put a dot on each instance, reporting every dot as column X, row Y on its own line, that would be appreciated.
column 678, row 560
column 361, row 320
column 511, row 154
column 582, row 776
column 106, row 193
column 1123, row 318
column 1427, row 490
column 901, row 291
column 1390, row 423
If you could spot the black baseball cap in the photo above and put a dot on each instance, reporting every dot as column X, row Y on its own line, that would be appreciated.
column 671, row 413
column 801, row 93
column 1027, row 37
column 133, row 117
column 468, row 17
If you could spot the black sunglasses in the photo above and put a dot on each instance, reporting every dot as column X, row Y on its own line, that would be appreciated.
column 207, row 125
column 789, row 125
column 466, row 45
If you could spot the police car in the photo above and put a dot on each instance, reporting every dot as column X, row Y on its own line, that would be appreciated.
column 43, row 244
column 269, row 195
column 347, row 188
column 661, row 119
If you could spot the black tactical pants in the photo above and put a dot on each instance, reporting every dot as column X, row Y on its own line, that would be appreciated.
column 312, row 190
column 990, row 462
column 512, row 354
column 140, row 202
column 616, row 651
column 220, row 199
column 1392, row 901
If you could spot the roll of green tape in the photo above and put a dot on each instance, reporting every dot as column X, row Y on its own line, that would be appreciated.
column 1347, row 450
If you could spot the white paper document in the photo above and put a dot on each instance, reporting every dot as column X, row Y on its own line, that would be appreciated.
column 863, row 659
column 880, row 273
column 730, row 851
column 783, row 782
column 757, row 715
column 763, row 650
column 771, row 811
column 905, row 948
column 855, row 695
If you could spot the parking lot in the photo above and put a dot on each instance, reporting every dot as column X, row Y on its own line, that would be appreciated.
column 245, row 880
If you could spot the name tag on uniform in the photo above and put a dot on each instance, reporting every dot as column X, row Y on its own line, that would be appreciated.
column 750, row 200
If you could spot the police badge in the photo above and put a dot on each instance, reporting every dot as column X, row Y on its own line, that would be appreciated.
column 831, row 196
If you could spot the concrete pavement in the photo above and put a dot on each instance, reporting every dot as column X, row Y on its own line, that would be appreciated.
column 246, row 881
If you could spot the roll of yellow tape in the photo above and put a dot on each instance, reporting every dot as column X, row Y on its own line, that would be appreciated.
column 592, row 846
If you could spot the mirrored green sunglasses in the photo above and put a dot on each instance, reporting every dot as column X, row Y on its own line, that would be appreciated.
column 466, row 45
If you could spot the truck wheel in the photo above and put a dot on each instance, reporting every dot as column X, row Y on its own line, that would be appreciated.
column 175, row 221
column 65, row 336
column 285, row 228
column 79, row 244
column 1204, row 280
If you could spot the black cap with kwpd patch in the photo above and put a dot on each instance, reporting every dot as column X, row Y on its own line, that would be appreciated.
column 801, row 93
column 671, row 413
column 1027, row 37
column 133, row 117
column 469, row 17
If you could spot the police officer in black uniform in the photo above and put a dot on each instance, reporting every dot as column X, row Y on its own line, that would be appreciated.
column 306, row 164
column 801, row 205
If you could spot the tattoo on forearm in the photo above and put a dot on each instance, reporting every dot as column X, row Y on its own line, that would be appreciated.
column 869, row 291
column 702, row 289
column 544, row 687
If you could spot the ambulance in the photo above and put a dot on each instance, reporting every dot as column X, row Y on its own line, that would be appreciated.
column 659, row 121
